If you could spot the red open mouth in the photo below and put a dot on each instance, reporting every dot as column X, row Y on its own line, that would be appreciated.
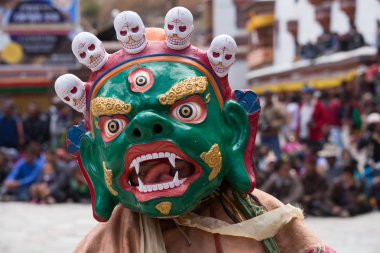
column 156, row 170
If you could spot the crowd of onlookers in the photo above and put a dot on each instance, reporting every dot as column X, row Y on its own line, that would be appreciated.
column 321, row 149
column 331, row 42
column 34, row 163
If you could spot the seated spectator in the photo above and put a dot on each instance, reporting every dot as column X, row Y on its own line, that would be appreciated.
column 36, row 125
column 5, row 166
column 78, row 191
column 11, row 129
column 327, row 163
column 347, row 196
column 371, row 177
column 309, row 51
column 40, row 190
column 265, row 160
column 284, row 184
column 59, row 188
column 371, row 139
column 315, row 198
column 355, row 39
column 292, row 147
column 24, row 173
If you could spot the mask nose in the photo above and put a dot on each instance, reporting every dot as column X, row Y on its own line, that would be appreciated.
column 147, row 126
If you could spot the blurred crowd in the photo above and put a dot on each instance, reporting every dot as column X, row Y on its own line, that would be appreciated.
column 331, row 42
column 321, row 150
column 34, row 163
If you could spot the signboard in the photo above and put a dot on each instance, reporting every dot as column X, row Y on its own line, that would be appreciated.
column 38, row 32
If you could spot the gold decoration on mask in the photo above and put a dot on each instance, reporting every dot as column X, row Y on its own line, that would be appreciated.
column 189, row 86
column 213, row 158
column 109, row 106
column 208, row 98
column 108, row 179
column 164, row 207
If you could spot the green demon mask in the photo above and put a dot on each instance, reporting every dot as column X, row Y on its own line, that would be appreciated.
column 162, row 127
column 161, row 138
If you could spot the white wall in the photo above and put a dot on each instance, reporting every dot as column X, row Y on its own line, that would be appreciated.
column 367, row 12
column 309, row 29
column 284, row 45
column 340, row 23
column 237, row 75
column 224, row 18
column 224, row 22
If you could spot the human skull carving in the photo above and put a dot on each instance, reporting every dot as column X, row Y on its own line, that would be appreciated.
column 89, row 51
column 130, row 31
column 178, row 28
column 221, row 54
column 71, row 90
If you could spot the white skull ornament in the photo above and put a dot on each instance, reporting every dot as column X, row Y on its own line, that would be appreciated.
column 71, row 90
column 130, row 31
column 89, row 51
column 221, row 54
column 178, row 28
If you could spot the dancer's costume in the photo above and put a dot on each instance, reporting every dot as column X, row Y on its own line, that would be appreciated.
column 166, row 147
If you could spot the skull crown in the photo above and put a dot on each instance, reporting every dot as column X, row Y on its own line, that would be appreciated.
column 89, row 51
column 178, row 28
column 221, row 54
column 71, row 90
column 131, row 33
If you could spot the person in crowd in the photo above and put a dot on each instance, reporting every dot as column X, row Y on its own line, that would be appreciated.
column 36, row 125
column 272, row 119
column 355, row 38
column 328, row 162
column 78, row 191
column 40, row 190
column 371, row 139
column 60, row 121
column 316, row 189
column 284, row 184
column 265, row 161
column 53, row 183
column 371, row 178
column 24, row 173
column 347, row 196
column 5, row 166
column 309, row 51
column 328, row 43
column 312, row 119
column 347, row 160
column 292, row 115
column 11, row 129
column 334, row 116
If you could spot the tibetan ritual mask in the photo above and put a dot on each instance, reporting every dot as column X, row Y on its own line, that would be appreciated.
column 162, row 131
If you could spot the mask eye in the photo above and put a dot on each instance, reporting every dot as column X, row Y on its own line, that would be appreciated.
column 170, row 27
column 192, row 110
column 141, row 80
column 82, row 55
column 135, row 29
column 111, row 127
column 91, row 47
column 215, row 54
column 228, row 56
column 182, row 28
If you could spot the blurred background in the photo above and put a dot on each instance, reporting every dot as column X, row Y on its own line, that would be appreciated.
column 314, row 64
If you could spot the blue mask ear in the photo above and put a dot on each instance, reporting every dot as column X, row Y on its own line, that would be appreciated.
column 237, row 120
column 103, row 202
column 248, row 100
